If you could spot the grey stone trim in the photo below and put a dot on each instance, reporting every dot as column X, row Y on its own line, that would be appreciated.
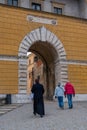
column 27, row 41
column 37, row 32
column 34, row 35
column 22, row 83
column 23, row 79
column 75, row 62
column 2, row 96
column 22, row 97
column 8, row 58
column 23, row 67
column 55, row 40
column 44, row 35
column 22, row 87
column 22, row 73
column 48, row 33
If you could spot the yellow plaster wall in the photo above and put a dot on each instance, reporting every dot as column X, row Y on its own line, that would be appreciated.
column 14, row 26
column 71, row 31
column 78, row 77
column 8, row 77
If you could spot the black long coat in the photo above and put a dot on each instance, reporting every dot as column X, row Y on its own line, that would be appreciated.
column 38, row 105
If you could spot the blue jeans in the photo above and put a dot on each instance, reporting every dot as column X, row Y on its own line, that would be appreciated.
column 60, row 101
column 70, row 103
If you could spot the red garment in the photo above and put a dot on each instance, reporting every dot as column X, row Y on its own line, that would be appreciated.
column 69, row 89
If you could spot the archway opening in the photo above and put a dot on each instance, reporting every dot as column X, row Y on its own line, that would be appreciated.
column 35, row 70
column 49, row 48
column 48, row 55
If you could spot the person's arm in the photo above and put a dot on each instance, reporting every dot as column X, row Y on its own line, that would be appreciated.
column 55, row 92
column 32, row 90
column 73, row 92
column 65, row 90
column 43, row 89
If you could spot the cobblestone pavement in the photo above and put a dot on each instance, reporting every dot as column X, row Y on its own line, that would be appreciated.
column 6, row 108
column 22, row 118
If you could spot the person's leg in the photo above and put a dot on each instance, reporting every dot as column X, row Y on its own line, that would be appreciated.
column 34, row 107
column 61, row 102
column 71, row 103
column 69, row 97
column 40, row 107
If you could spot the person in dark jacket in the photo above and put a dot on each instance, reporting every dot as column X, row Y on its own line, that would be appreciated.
column 69, row 91
column 38, row 101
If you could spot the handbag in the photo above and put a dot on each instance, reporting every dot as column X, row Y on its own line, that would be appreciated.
column 31, row 96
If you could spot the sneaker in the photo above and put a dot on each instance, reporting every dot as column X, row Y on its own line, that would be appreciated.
column 62, row 107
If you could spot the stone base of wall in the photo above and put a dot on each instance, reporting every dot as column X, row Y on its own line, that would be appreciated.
column 78, row 97
column 24, row 98
column 20, row 98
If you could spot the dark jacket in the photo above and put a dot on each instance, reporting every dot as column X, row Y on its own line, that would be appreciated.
column 38, row 91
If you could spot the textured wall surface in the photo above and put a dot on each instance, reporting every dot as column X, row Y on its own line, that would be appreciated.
column 72, row 32
column 8, row 77
column 78, row 76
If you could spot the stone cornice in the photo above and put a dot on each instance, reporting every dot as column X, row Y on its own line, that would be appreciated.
column 76, row 62
column 12, row 58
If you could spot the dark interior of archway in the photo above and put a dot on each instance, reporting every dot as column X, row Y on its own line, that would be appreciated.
column 45, row 50
column 48, row 55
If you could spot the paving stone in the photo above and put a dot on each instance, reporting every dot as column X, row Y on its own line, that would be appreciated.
column 22, row 118
column 6, row 108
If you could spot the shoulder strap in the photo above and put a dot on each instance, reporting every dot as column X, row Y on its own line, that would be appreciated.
column 61, row 88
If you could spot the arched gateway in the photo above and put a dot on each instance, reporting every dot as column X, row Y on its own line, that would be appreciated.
column 49, row 47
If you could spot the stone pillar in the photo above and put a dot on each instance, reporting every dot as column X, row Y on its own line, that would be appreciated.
column 22, row 96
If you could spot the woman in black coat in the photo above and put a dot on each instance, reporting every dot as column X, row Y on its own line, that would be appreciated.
column 38, row 104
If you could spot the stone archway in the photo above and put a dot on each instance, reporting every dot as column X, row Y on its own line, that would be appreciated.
column 45, row 36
